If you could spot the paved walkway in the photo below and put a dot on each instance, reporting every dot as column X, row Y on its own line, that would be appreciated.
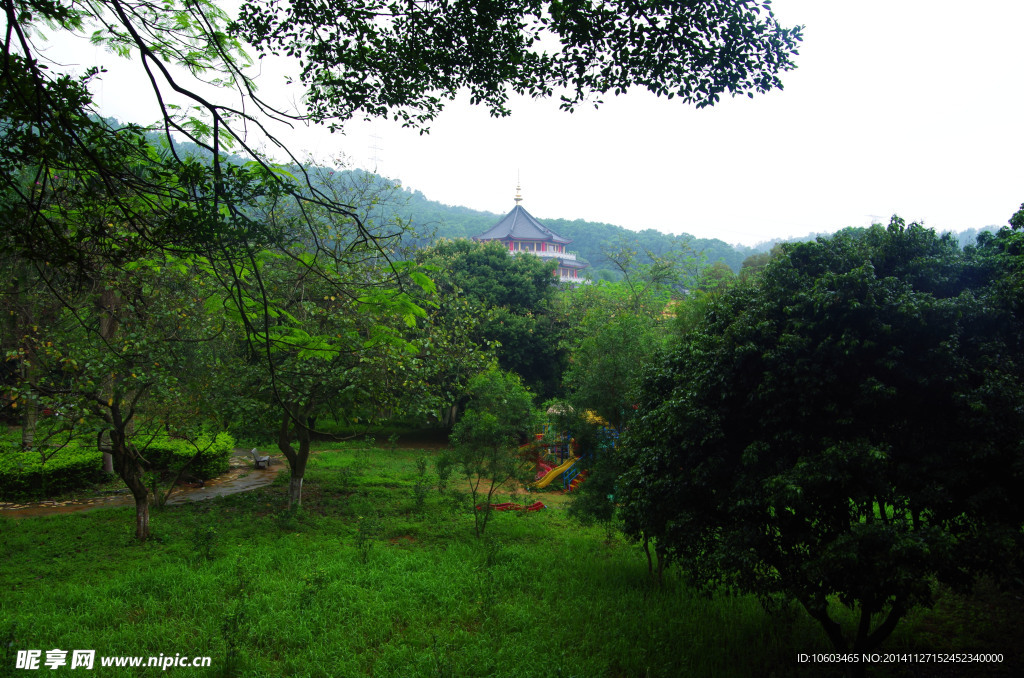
column 240, row 477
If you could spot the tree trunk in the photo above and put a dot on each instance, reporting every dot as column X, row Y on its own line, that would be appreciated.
column 126, row 463
column 108, row 303
column 28, row 424
column 295, row 422
column 295, row 491
column 448, row 416
column 30, row 416
column 142, row 517
column 103, row 443
column 866, row 640
column 131, row 473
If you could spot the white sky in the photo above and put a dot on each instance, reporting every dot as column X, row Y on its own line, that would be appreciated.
column 912, row 107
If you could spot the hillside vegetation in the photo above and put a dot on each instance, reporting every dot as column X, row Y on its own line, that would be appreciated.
column 433, row 220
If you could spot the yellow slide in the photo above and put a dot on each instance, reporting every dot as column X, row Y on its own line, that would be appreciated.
column 554, row 473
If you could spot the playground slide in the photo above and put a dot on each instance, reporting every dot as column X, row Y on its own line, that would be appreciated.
column 555, row 472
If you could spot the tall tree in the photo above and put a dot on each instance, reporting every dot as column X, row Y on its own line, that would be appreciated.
column 610, row 336
column 325, row 338
column 518, row 290
column 651, row 278
column 127, row 383
column 846, row 427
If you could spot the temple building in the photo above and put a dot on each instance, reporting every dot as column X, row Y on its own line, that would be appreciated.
column 521, row 232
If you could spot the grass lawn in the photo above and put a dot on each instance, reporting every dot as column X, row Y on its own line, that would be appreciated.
column 369, row 580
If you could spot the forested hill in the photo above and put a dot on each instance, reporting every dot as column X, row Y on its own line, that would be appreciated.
column 431, row 220
column 438, row 220
column 589, row 237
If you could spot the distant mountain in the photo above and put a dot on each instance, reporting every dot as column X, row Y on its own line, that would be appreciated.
column 431, row 220
column 437, row 220
column 589, row 238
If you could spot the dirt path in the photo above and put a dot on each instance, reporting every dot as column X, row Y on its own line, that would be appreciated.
column 240, row 477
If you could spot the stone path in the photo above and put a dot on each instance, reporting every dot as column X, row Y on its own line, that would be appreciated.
column 240, row 477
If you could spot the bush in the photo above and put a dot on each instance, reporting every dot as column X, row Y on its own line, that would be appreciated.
column 23, row 475
column 172, row 453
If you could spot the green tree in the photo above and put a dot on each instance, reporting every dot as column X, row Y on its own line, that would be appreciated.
column 1017, row 220
column 515, row 293
column 125, row 385
column 323, row 340
column 609, row 340
column 716, row 279
column 407, row 59
column 451, row 350
column 610, row 336
column 1005, row 251
column 846, row 429
column 755, row 263
column 652, row 278
column 498, row 418
column 26, row 306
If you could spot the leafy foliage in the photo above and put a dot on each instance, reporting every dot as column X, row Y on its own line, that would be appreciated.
column 499, row 417
column 211, row 454
column 76, row 464
column 406, row 59
column 846, row 426
column 512, row 295
column 27, row 474
column 610, row 336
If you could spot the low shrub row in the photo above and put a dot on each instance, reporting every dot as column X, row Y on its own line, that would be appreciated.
column 173, row 453
column 24, row 475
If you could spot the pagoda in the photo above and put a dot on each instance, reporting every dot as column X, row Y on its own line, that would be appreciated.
column 522, row 233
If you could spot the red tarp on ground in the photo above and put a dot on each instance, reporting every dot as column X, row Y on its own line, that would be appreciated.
column 509, row 506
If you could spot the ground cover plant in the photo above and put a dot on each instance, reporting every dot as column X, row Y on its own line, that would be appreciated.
column 363, row 581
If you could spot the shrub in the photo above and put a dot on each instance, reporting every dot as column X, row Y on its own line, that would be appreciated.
column 24, row 474
column 172, row 453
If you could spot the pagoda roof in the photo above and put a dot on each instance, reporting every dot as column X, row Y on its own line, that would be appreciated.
column 521, row 225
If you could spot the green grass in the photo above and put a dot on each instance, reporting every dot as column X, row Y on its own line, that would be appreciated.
column 362, row 583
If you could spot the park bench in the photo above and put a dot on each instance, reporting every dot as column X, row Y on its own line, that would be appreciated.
column 261, row 462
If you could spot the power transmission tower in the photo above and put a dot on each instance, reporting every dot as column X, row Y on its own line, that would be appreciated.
column 375, row 150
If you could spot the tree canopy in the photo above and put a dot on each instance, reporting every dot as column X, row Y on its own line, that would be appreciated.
column 845, row 426
column 518, row 289
column 406, row 59
column 378, row 58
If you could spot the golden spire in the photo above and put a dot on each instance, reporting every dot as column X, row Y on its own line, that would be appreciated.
column 519, row 191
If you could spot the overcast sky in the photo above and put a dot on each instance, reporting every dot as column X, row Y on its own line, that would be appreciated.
column 909, row 107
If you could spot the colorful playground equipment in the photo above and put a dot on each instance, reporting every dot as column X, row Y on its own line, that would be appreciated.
column 555, row 472
column 559, row 458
